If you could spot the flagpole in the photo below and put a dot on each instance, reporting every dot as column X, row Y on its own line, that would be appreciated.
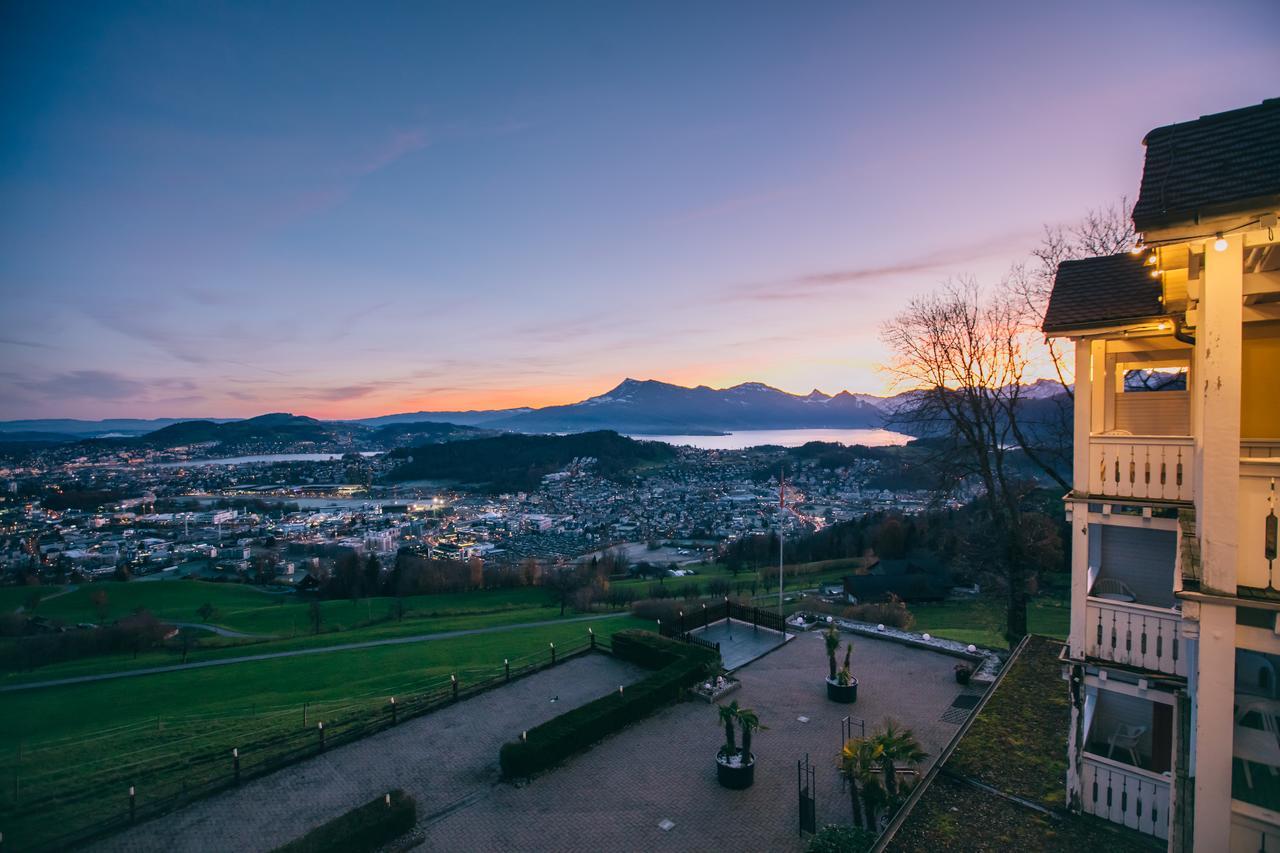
column 782, row 508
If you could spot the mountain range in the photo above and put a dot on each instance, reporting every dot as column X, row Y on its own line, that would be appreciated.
column 639, row 407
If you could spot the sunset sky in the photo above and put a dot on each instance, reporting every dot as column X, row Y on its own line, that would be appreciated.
column 213, row 209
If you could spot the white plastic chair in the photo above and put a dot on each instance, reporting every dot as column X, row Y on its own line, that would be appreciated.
column 1112, row 588
column 1126, row 737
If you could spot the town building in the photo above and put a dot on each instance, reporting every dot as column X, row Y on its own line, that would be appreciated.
column 1174, row 651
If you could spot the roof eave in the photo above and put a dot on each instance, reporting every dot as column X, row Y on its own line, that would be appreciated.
column 1200, row 216
column 1118, row 324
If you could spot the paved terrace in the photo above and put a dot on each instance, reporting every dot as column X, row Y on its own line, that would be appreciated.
column 613, row 796
column 610, row 798
column 445, row 760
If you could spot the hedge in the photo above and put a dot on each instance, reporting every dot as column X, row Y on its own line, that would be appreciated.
column 676, row 666
column 365, row 828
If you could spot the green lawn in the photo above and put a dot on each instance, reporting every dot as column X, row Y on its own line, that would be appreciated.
column 251, row 610
column 981, row 621
column 80, row 743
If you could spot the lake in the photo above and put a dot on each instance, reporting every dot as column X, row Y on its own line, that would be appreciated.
column 783, row 437
column 265, row 457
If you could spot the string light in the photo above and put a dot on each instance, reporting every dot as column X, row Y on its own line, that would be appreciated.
column 1220, row 244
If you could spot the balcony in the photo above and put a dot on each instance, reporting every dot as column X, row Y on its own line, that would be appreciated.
column 1136, row 635
column 1142, row 466
column 1131, row 796
column 1259, row 566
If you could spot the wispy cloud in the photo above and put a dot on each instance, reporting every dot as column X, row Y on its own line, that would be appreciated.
column 399, row 144
column 101, row 385
column 822, row 283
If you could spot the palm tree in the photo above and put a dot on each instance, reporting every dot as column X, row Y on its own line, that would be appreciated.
column 844, row 676
column 897, row 745
column 860, row 766
column 832, row 636
column 750, row 723
column 729, row 714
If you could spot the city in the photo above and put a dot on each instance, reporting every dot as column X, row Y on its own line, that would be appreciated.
column 563, row 427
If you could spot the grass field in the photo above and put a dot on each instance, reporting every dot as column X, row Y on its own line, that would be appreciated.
column 61, row 745
column 250, row 610
column 982, row 620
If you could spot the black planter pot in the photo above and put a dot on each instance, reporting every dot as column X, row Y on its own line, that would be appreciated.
column 846, row 694
column 736, row 778
column 963, row 676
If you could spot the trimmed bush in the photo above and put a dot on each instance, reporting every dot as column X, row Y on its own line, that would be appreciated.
column 676, row 666
column 364, row 828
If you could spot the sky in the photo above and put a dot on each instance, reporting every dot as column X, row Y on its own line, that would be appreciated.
column 344, row 210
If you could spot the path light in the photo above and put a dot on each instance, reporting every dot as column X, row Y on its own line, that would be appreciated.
column 524, row 736
column 830, row 619
column 927, row 637
column 619, row 689
column 971, row 648
column 388, row 800
column 880, row 627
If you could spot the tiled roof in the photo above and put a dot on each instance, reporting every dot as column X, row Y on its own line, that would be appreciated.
column 1104, row 291
column 1217, row 164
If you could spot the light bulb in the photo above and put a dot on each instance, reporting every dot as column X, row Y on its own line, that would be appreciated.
column 1136, row 250
column 1220, row 245
column 1155, row 273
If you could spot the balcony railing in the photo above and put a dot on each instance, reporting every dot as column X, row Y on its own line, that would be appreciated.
column 1141, row 466
column 1134, row 635
column 1259, row 531
column 1120, row 793
column 1259, row 448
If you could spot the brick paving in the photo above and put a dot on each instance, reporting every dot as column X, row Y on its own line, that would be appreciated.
column 613, row 796
column 445, row 760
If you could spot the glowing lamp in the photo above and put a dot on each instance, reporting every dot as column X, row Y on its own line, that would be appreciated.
column 1220, row 245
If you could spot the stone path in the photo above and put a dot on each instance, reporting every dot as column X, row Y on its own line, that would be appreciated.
column 446, row 761
column 613, row 796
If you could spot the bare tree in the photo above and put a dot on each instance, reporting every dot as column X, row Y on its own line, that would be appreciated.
column 1103, row 231
column 962, row 358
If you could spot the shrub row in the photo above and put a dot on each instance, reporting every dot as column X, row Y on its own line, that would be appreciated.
column 676, row 666
column 364, row 828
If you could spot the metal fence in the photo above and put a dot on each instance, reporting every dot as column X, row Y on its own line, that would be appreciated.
column 709, row 614
column 156, row 778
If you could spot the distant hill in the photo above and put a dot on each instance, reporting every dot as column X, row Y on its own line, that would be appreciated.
column 519, row 462
column 472, row 417
column 427, row 432
column 634, row 407
column 657, row 408
column 276, row 427
column 91, row 429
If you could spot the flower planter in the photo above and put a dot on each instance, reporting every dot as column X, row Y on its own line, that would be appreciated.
column 843, row 693
column 963, row 675
column 735, row 776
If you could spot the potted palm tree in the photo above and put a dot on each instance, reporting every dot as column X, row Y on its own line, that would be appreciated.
column 736, row 768
column 841, row 685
